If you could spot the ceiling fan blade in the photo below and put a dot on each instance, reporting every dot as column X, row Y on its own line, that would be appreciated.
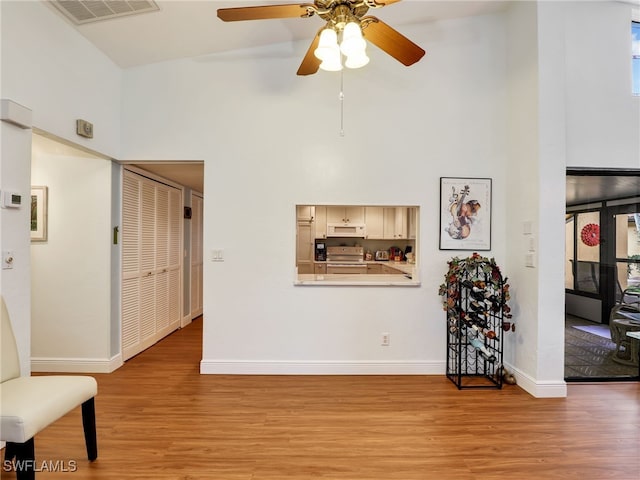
column 311, row 63
column 263, row 12
column 391, row 41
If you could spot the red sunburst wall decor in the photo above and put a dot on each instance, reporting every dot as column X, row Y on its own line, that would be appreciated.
column 590, row 234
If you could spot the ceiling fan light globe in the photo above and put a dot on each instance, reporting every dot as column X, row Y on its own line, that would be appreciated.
column 353, row 47
column 327, row 44
column 331, row 65
column 352, row 30
column 352, row 41
column 357, row 61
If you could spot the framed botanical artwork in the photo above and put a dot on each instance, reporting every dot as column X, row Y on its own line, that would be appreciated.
column 465, row 213
column 39, row 214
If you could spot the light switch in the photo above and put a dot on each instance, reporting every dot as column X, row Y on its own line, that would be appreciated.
column 530, row 260
column 217, row 255
column 527, row 227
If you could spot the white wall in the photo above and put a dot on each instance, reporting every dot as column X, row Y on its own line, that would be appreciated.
column 603, row 118
column 15, row 151
column 48, row 67
column 537, row 149
column 551, row 193
column 51, row 69
column 523, row 186
column 270, row 140
column 70, row 272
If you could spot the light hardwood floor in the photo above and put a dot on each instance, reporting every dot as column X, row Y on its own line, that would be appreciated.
column 158, row 418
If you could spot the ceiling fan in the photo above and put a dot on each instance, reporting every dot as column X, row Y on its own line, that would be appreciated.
column 345, row 18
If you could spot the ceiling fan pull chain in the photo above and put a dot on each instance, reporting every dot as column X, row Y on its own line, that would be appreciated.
column 341, row 96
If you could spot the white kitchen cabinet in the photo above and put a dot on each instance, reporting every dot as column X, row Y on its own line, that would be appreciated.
column 389, row 222
column 320, row 222
column 320, row 268
column 304, row 248
column 401, row 230
column 395, row 223
column 342, row 214
column 151, row 262
column 305, row 232
column 374, row 220
column 412, row 220
column 305, row 213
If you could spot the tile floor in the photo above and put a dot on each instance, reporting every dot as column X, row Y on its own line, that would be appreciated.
column 588, row 356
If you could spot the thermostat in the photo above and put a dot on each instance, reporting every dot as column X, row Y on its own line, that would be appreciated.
column 11, row 200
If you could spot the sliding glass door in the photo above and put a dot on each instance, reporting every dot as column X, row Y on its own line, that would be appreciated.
column 602, row 282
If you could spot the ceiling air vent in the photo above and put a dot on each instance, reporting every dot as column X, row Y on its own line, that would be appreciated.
column 87, row 11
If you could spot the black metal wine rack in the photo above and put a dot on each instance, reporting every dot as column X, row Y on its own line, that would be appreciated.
column 475, row 302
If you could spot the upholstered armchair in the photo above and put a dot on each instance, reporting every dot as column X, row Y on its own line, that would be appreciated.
column 28, row 404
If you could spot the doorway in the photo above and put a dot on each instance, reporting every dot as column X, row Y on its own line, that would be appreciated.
column 602, row 276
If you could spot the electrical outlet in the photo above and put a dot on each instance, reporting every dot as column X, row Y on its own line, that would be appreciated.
column 386, row 338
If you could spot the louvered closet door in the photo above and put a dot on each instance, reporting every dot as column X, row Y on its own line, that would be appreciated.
column 148, row 258
column 131, row 259
column 175, row 257
column 162, row 260
column 151, row 290
column 196, row 255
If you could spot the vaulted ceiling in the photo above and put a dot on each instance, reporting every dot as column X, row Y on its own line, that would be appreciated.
column 186, row 28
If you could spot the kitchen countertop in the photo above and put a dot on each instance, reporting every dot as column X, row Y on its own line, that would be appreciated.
column 401, row 279
column 402, row 266
column 355, row 279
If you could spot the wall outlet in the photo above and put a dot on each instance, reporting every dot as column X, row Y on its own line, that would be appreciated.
column 386, row 339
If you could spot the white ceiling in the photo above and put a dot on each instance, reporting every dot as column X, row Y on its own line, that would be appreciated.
column 191, row 28
column 188, row 174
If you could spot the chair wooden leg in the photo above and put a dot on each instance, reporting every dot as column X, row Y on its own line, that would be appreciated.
column 25, row 459
column 89, row 426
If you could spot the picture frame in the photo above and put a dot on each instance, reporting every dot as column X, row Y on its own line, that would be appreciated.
column 39, row 213
column 465, row 213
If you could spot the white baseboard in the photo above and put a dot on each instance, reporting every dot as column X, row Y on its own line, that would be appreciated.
column 549, row 389
column 186, row 320
column 539, row 389
column 76, row 365
column 216, row 367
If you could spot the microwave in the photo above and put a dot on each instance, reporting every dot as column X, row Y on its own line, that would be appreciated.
column 346, row 230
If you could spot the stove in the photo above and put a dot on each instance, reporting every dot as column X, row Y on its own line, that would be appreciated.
column 346, row 260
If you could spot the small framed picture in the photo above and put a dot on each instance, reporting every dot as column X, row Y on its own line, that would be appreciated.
column 465, row 213
column 39, row 214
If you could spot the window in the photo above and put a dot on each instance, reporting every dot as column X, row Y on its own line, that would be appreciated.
column 357, row 245
column 635, row 58
column 583, row 252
